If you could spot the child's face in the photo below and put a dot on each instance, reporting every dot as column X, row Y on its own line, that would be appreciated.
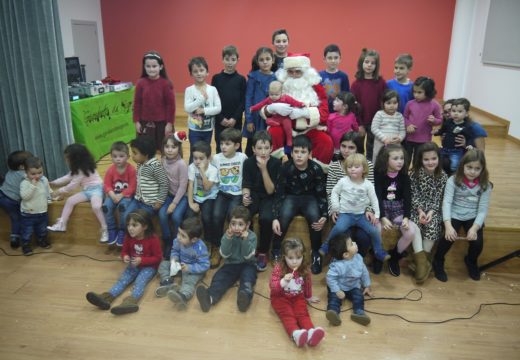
column 34, row 174
column 200, row 159
column 119, row 158
column 275, row 93
column 430, row 161
column 265, row 62
column 339, row 106
column 135, row 229
column 229, row 148
column 238, row 226
column 446, row 111
column 152, row 68
column 281, row 43
column 171, row 150
column 458, row 113
column 401, row 72
column 300, row 156
column 293, row 259
column 347, row 148
column 355, row 171
column 418, row 93
column 230, row 63
column 352, row 249
column 184, row 238
column 199, row 73
column 369, row 65
column 138, row 157
column 472, row 170
column 262, row 149
column 395, row 161
column 390, row 106
column 332, row 60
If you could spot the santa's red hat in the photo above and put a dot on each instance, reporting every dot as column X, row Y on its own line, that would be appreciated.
column 180, row 136
column 295, row 60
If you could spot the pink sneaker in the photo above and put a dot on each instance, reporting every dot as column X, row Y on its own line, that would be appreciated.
column 315, row 336
column 300, row 337
column 59, row 226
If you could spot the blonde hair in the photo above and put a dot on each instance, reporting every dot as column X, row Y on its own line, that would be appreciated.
column 295, row 243
column 357, row 159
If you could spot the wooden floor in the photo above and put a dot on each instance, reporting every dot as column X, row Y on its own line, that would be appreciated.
column 44, row 314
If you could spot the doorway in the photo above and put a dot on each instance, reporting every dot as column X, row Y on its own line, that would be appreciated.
column 86, row 47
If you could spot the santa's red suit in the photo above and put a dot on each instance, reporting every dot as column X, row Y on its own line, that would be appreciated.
column 315, row 126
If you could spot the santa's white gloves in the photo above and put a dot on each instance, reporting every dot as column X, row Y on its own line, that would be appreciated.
column 280, row 109
column 299, row 113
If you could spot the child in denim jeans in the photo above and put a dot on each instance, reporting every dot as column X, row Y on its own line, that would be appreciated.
column 347, row 278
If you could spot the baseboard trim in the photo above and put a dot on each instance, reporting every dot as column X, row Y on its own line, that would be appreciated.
column 492, row 117
column 513, row 139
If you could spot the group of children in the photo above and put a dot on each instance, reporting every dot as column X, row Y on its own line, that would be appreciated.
column 361, row 195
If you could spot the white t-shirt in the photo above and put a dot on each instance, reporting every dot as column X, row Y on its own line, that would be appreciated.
column 230, row 172
column 199, row 194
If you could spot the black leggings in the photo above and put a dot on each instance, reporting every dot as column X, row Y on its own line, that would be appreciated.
column 475, row 247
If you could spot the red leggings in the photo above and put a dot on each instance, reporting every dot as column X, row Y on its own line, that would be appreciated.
column 293, row 312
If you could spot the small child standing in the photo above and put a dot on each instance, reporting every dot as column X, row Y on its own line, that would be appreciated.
column 333, row 80
column 154, row 100
column 152, row 182
column 388, row 124
column 350, row 198
column 275, row 96
column 142, row 252
column 280, row 41
column 82, row 173
column 401, row 83
column 34, row 191
column 347, row 278
column 231, row 87
column 459, row 124
column 189, row 258
column 368, row 89
column 176, row 202
column 465, row 204
column 343, row 119
column 291, row 289
column 10, row 193
column 119, row 187
column 229, row 164
column 421, row 114
column 201, row 102
column 237, row 247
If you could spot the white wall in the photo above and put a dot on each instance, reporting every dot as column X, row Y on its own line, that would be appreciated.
column 494, row 89
column 85, row 10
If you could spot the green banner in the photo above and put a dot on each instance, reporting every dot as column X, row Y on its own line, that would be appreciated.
column 100, row 120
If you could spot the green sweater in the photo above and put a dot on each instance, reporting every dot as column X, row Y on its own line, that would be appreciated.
column 236, row 250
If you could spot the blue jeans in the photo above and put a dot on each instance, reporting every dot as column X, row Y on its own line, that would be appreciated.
column 228, row 275
column 346, row 221
column 293, row 205
column 109, row 207
column 354, row 295
column 194, row 136
column 177, row 216
column 136, row 204
column 142, row 277
column 454, row 156
column 12, row 208
column 36, row 223
column 224, row 203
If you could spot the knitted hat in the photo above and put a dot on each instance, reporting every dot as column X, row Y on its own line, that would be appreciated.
column 297, row 61
column 180, row 136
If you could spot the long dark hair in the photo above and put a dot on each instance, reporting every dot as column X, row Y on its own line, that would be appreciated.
column 417, row 161
column 80, row 158
column 360, row 73
column 142, row 217
column 381, row 165
column 470, row 156
column 260, row 51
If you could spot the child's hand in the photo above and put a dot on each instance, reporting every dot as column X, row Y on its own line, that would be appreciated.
column 171, row 208
column 450, row 233
column 334, row 216
column 168, row 129
column 429, row 216
column 362, row 132
column 138, row 128
column 387, row 141
column 288, row 277
column 318, row 225
column 244, row 235
column 395, row 140
column 368, row 291
column 261, row 163
column 56, row 197
column 199, row 111
column 126, row 259
column 387, row 224
column 135, row 261
column 422, row 216
column 371, row 217
column 410, row 129
column 184, row 267
column 472, row 233
column 405, row 224
column 340, row 294
column 251, row 128
column 313, row 300
column 117, row 198
column 157, row 205
column 203, row 165
column 195, row 207
column 430, row 119
column 277, row 229
column 246, row 199
column 229, row 232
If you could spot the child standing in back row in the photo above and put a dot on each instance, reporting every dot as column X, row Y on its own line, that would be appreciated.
column 401, row 83
column 154, row 100
column 82, row 173
column 333, row 80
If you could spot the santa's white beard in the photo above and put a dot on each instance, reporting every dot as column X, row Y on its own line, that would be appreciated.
column 301, row 90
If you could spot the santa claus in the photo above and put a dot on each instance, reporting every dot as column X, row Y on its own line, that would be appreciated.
column 302, row 82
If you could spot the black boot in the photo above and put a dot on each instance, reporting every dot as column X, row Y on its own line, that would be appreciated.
column 393, row 263
column 438, row 270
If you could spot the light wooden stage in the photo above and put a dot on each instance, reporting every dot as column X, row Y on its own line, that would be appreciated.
column 44, row 314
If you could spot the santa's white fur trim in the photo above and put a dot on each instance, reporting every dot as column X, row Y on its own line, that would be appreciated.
column 290, row 62
column 314, row 118
column 278, row 153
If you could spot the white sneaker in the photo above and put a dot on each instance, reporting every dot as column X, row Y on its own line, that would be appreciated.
column 104, row 235
column 59, row 226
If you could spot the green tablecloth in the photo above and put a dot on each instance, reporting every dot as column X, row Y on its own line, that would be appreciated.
column 100, row 120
